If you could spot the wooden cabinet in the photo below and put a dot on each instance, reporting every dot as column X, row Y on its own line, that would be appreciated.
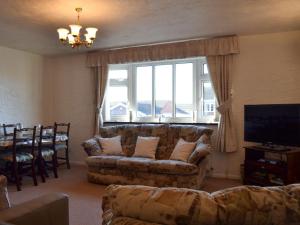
column 269, row 167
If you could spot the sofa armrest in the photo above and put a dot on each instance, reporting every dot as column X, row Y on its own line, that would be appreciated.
column 51, row 209
column 91, row 147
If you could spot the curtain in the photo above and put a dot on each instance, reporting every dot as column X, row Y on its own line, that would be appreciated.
column 178, row 50
column 220, row 67
column 101, row 75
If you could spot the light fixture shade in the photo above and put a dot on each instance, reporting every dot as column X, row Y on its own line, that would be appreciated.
column 75, row 29
column 88, row 39
column 62, row 33
column 71, row 39
column 92, row 32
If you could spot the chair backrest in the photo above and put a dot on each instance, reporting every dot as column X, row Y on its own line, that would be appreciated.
column 25, row 138
column 62, row 128
column 8, row 129
column 47, row 137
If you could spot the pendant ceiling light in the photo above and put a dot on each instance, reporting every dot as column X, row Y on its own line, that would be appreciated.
column 74, row 37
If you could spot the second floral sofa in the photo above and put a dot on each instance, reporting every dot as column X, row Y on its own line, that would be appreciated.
column 111, row 169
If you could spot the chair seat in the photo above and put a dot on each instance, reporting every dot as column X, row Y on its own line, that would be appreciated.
column 47, row 152
column 20, row 157
column 60, row 147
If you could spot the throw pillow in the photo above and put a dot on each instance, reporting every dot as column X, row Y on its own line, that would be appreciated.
column 201, row 151
column 146, row 147
column 204, row 139
column 4, row 200
column 182, row 150
column 111, row 146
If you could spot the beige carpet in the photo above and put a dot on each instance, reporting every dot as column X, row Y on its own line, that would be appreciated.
column 85, row 198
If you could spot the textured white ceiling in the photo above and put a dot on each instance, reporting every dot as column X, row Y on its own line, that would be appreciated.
column 31, row 24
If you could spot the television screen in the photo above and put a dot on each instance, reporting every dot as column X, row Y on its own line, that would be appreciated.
column 276, row 124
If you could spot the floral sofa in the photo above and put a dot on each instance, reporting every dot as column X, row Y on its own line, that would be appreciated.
column 108, row 169
column 244, row 205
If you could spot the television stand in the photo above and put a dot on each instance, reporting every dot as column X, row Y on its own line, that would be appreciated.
column 273, row 147
column 265, row 166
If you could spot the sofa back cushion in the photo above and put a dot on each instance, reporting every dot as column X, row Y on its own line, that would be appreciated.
column 168, row 135
column 161, row 205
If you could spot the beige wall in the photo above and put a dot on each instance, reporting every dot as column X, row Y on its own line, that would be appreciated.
column 70, row 98
column 267, row 71
column 21, row 87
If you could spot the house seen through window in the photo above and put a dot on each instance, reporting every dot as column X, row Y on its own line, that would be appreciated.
column 160, row 91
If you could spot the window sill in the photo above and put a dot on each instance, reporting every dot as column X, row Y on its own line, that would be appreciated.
column 196, row 124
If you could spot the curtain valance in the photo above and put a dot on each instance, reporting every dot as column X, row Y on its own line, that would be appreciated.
column 205, row 47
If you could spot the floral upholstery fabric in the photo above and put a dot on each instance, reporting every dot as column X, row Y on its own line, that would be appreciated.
column 172, row 167
column 47, row 152
column 105, row 169
column 4, row 199
column 168, row 137
column 135, row 164
column 61, row 146
column 129, row 221
column 105, row 175
column 20, row 157
column 103, row 161
column 160, row 205
column 244, row 205
column 91, row 147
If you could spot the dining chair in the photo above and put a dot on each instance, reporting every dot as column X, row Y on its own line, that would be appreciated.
column 8, row 129
column 47, row 156
column 19, row 158
column 62, row 143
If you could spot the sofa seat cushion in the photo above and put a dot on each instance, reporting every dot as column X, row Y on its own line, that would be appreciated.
column 103, row 161
column 134, row 164
column 172, row 167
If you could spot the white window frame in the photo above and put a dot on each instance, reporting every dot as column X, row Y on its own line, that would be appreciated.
column 198, row 79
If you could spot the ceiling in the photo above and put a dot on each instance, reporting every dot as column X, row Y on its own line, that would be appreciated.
column 31, row 24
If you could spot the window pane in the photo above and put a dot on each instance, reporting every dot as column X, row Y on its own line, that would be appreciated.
column 208, row 99
column 205, row 68
column 163, row 91
column 184, row 90
column 117, row 98
column 144, row 91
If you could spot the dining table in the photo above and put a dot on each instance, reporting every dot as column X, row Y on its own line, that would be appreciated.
column 7, row 141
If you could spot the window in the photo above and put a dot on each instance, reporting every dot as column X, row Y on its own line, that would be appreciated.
column 160, row 91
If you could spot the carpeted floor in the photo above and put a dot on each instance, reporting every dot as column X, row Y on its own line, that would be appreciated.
column 85, row 198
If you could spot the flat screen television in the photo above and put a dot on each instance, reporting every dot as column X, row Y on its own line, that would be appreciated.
column 277, row 124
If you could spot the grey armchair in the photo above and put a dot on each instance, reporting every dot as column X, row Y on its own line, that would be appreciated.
column 51, row 209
